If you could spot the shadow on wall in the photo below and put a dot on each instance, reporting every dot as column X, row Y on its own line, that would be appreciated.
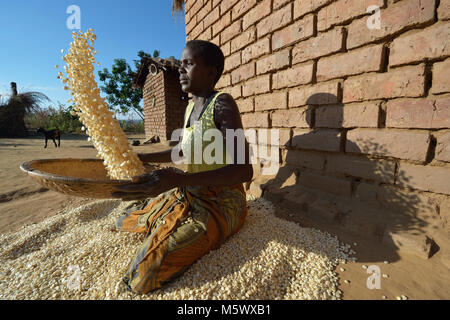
column 332, row 181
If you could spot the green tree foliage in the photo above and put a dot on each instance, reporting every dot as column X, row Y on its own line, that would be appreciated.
column 54, row 118
column 121, row 96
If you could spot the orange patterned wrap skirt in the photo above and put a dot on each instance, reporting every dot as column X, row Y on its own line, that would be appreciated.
column 181, row 226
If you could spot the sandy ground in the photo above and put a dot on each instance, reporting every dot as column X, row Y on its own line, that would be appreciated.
column 23, row 202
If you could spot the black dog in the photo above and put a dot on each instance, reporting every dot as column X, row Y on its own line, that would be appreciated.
column 51, row 134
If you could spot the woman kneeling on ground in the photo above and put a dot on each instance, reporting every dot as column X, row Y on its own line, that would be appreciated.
column 194, row 211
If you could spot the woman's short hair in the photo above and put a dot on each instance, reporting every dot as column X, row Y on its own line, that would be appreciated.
column 211, row 54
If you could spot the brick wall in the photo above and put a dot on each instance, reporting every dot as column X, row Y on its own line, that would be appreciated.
column 164, row 104
column 363, row 114
column 176, row 102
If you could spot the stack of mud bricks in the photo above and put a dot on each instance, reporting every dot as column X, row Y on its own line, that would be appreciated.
column 163, row 104
column 362, row 109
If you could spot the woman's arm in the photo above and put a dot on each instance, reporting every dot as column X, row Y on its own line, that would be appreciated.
column 226, row 117
column 156, row 157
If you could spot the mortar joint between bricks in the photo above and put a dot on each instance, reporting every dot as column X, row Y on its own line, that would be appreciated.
column 343, row 140
column 344, row 39
column 428, row 77
column 314, row 71
column 382, row 114
column 385, row 57
column 431, row 149
column 437, row 4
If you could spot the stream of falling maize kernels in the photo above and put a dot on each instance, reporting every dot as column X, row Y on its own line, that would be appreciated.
column 104, row 130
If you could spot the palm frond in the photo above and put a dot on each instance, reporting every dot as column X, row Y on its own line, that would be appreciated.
column 12, row 113
column 28, row 101
column 177, row 6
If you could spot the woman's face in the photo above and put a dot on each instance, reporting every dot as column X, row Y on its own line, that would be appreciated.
column 195, row 76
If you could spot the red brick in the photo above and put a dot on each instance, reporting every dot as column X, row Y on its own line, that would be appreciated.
column 235, row 91
column 322, row 45
column 329, row 117
column 442, row 145
column 256, row 50
column 268, row 154
column 223, row 22
column 367, row 192
column 279, row 3
column 306, row 6
column 302, row 158
column 394, row 19
column 325, row 210
column 336, row 186
column 257, row 13
column 245, row 105
column 226, row 48
column 389, row 142
column 212, row 17
column 418, row 113
column 401, row 82
column 425, row 44
column 441, row 77
column 354, row 62
column 243, row 39
column 324, row 139
column 298, row 31
column 265, row 137
column 230, row 32
column 192, row 23
column 274, row 21
column 256, row 86
column 216, row 41
column 232, row 61
column 376, row 170
column 275, row 61
column 342, row 11
column 444, row 10
column 294, row 76
column 196, row 6
column 243, row 73
column 296, row 202
column 321, row 93
column 241, row 8
column 206, row 35
column 271, row 101
column 361, row 115
column 292, row 118
column 188, row 5
column 426, row 178
column 255, row 120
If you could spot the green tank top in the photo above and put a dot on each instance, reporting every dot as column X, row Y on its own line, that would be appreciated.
column 199, row 145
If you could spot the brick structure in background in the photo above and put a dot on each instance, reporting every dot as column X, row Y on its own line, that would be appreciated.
column 364, row 113
column 164, row 101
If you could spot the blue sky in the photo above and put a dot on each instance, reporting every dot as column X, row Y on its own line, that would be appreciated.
column 32, row 34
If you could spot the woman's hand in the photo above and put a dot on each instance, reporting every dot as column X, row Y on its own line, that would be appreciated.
column 149, row 185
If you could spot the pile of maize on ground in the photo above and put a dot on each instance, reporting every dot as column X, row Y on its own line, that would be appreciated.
column 104, row 130
column 77, row 255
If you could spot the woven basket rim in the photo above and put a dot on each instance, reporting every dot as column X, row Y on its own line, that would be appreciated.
column 28, row 168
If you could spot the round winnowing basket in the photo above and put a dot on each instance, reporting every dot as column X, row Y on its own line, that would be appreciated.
column 76, row 177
